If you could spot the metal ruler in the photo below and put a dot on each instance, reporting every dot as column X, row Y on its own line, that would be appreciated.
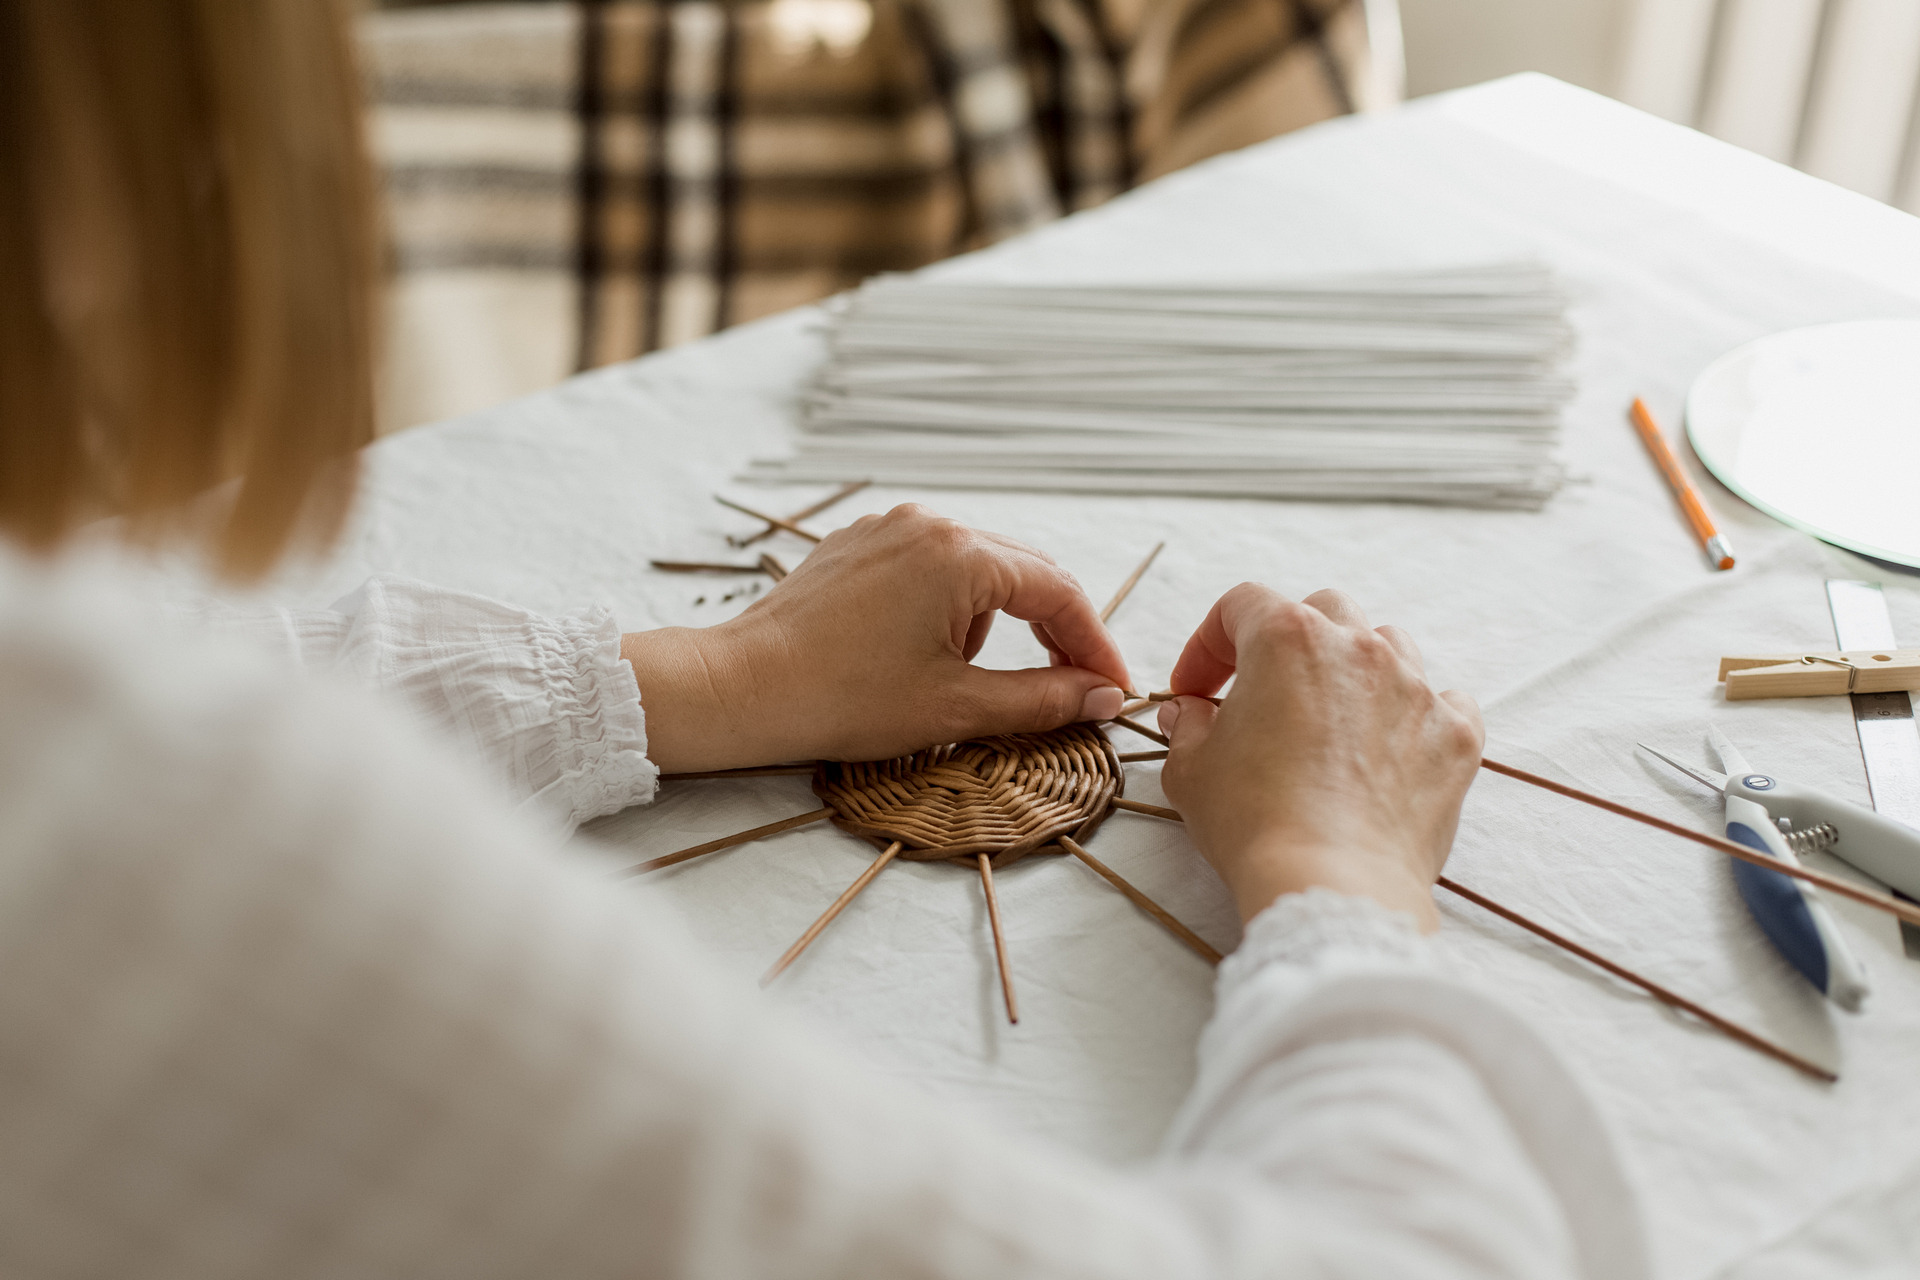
column 1889, row 738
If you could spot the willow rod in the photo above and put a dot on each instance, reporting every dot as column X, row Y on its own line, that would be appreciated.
column 1654, row 989
column 1145, row 700
column 826, row 917
column 844, row 491
column 776, row 521
column 756, row 771
column 1151, row 810
column 1168, row 695
column 773, row 567
column 1133, row 579
column 1832, row 884
column 1732, row 1029
column 704, row 566
column 1141, row 729
column 1142, row 901
column 727, row 842
column 999, row 940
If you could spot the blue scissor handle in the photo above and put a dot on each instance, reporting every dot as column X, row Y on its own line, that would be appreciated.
column 1780, row 909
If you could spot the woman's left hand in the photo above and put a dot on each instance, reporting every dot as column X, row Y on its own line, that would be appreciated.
column 864, row 652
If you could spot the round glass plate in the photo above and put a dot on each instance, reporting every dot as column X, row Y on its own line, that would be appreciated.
column 1820, row 429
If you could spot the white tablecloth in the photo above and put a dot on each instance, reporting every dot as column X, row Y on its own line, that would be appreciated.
column 1581, row 629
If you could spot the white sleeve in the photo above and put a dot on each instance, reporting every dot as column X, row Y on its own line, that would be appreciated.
column 1405, row 1120
column 548, row 703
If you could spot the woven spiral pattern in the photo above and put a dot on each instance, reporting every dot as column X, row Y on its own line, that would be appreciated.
column 1004, row 796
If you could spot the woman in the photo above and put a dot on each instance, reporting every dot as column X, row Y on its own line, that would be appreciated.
column 291, row 991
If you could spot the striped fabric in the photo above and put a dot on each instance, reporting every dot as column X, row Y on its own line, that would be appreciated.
column 574, row 184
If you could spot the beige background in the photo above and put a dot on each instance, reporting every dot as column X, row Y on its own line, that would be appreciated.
column 1451, row 43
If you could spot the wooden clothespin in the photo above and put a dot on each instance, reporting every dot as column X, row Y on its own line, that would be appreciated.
column 1815, row 675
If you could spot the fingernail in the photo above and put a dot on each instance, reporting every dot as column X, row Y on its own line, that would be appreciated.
column 1103, row 703
column 1169, row 716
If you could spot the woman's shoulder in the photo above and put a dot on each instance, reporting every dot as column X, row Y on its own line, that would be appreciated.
column 96, row 676
column 85, row 637
column 125, row 733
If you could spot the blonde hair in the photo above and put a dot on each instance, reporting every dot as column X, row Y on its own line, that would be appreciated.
column 188, row 243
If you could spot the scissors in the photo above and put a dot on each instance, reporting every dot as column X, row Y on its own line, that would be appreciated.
column 1790, row 912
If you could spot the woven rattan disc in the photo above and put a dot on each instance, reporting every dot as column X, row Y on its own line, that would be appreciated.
column 1004, row 796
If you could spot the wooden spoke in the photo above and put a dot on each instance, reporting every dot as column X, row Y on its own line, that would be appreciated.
column 1133, row 579
column 703, row 566
column 1726, row 1027
column 826, row 917
column 1141, row 729
column 999, row 939
column 1168, row 695
column 1832, row 884
column 844, row 491
column 727, row 842
column 1143, row 902
column 1151, row 810
column 774, row 521
column 797, row 770
column 1654, row 989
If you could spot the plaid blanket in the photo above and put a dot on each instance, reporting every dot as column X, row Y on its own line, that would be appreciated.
column 573, row 184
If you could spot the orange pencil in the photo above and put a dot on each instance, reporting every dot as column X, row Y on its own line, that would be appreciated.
column 1717, row 549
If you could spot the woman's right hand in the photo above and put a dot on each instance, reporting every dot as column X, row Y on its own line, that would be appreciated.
column 1331, row 763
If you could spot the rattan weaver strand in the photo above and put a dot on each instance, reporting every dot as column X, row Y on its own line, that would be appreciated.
column 1005, row 796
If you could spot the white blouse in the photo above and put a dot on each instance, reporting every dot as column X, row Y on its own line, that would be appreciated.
column 291, row 991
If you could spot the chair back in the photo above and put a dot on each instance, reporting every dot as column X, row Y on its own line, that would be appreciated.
column 574, row 184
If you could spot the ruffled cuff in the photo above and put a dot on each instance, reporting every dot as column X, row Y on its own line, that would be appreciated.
column 600, row 728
